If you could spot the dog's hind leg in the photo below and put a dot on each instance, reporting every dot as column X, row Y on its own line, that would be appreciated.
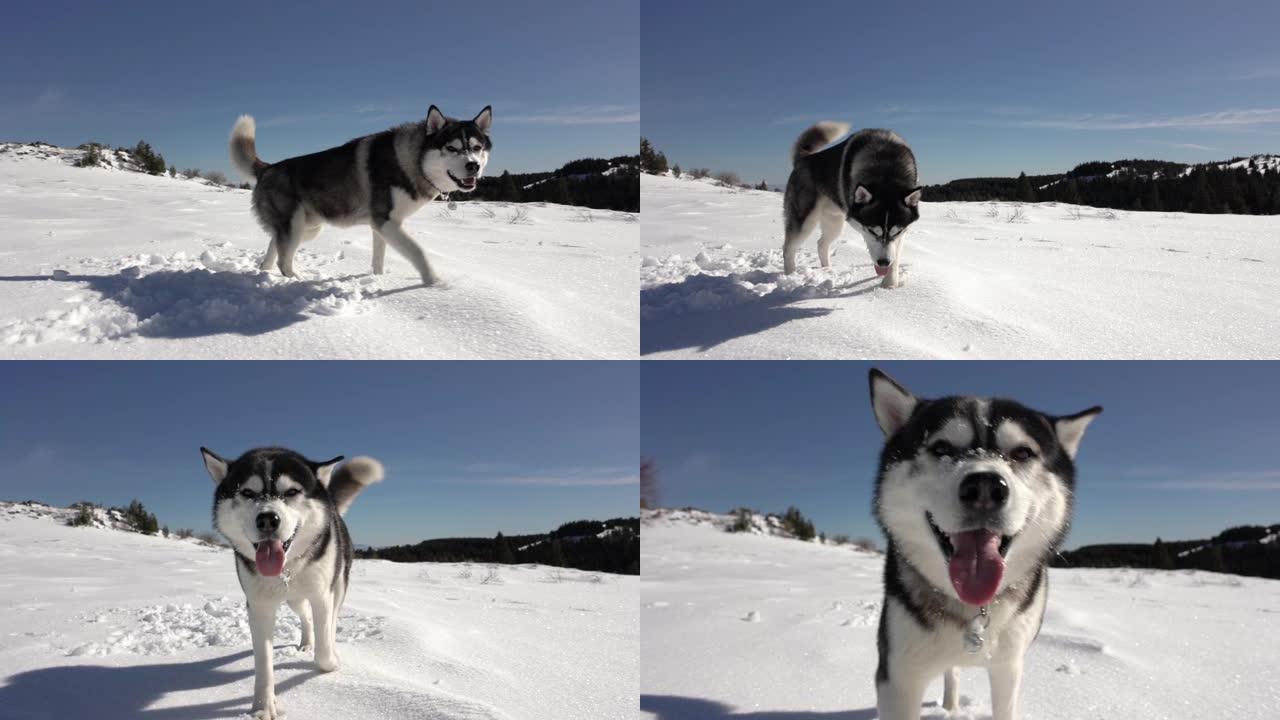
column 379, row 252
column 400, row 240
column 288, row 238
column 950, row 692
column 262, row 625
column 326, row 624
column 1005, row 679
column 831, row 225
column 795, row 236
column 303, row 610
column 269, row 259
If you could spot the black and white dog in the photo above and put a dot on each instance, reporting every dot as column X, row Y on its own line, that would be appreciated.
column 974, row 496
column 282, row 514
column 378, row 180
column 868, row 181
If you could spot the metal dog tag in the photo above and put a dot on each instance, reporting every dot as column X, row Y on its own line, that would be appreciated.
column 973, row 635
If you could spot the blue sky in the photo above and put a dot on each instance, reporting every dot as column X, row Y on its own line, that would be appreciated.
column 470, row 448
column 1182, row 450
column 978, row 89
column 562, row 76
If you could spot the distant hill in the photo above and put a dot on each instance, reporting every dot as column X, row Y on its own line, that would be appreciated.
column 612, row 184
column 611, row 546
column 1242, row 185
column 1252, row 550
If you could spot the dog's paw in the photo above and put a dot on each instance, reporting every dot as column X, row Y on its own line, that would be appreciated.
column 265, row 710
column 327, row 664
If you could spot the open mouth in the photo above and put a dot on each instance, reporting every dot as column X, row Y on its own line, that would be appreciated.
column 467, row 184
column 269, row 555
column 975, row 561
column 882, row 270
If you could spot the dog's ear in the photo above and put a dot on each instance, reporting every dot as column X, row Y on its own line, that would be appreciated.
column 484, row 119
column 913, row 198
column 892, row 403
column 216, row 466
column 861, row 195
column 435, row 120
column 324, row 470
column 1070, row 429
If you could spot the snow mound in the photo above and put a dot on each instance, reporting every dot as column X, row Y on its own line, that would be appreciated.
column 220, row 621
column 980, row 280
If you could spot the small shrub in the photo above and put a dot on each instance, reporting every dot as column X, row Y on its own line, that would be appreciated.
column 141, row 520
column 83, row 516
column 741, row 520
column 797, row 524
column 866, row 544
column 491, row 577
column 215, row 177
column 699, row 173
column 209, row 538
column 92, row 156
column 728, row 178
column 184, row 533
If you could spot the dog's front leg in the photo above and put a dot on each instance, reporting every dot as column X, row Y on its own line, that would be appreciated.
column 303, row 610
column 899, row 697
column 1005, row 679
column 379, row 252
column 325, row 616
column 400, row 240
column 262, row 625
column 893, row 279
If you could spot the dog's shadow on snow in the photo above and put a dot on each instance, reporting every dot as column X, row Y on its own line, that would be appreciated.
column 125, row 692
column 197, row 303
column 672, row 707
column 704, row 329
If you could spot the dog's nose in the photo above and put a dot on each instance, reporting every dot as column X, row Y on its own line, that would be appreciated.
column 983, row 491
column 268, row 522
column 883, row 262
column 473, row 167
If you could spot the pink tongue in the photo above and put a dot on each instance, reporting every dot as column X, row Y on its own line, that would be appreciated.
column 976, row 565
column 270, row 560
column 882, row 270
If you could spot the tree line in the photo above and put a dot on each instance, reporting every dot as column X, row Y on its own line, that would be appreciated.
column 578, row 182
column 1152, row 185
column 611, row 546
column 1238, row 551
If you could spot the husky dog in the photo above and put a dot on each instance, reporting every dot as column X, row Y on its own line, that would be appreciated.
column 868, row 181
column 974, row 496
column 282, row 514
column 378, row 179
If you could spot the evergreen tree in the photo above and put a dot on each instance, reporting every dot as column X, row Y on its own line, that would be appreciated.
column 507, row 190
column 502, row 551
column 1026, row 193
column 1071, row 192
column 1216, row 563
column 557, row 554
column 1152, row 200
column 675, row 170
column 559, row 192
column 1160, row 556
column 763, row 185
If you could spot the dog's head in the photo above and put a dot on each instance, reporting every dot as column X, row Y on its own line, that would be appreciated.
column 456, row 151
column 269, row 501
column 973, row 492
column 882, row 214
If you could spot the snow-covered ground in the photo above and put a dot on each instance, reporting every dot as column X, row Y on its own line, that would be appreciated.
column 110, row 263
column 764, row 628
column 1059, row 282
column 111, row 625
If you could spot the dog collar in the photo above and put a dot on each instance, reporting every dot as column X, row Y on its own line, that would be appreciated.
column 973, row 634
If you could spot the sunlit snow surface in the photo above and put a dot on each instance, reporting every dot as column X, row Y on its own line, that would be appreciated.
column 109, row 263
column 759, row 627
column 980, row 281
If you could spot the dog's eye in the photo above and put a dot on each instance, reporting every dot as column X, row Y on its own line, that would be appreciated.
column 291, row 492
column 1022, row 453
column 942, row 448
column 247, row 494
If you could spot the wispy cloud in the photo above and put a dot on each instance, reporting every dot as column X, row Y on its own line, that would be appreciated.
column 1244, row 480
column 578, row 115
column 1117, row 121
column 500, row 473
column 1182, row 146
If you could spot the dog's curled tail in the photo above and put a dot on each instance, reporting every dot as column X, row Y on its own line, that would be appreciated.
column 816, row 138
column 352, row 477
column 244, row 152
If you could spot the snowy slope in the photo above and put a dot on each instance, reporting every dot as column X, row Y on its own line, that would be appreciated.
column 108, row 263
column 1048, row 285
column 1116, row 644
column 104, row 624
